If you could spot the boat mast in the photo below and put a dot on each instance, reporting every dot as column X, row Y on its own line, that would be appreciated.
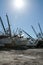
column 2, row 25
column 34, row 31
column 40, row 29
column 8, row 25
column 28, row 34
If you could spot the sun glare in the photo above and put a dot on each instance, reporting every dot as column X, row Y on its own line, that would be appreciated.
column 18, row 4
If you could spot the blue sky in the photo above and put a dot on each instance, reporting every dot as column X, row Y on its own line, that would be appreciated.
column 31, row 15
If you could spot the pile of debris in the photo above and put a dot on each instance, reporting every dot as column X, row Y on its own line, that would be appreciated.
column 19, row 41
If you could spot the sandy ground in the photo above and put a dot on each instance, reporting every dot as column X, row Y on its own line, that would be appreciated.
column 21, row 57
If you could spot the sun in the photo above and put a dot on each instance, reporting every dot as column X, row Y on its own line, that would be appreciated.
column 18, row 4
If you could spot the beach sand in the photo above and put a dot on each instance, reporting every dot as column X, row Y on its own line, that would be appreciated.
column 21, row 57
